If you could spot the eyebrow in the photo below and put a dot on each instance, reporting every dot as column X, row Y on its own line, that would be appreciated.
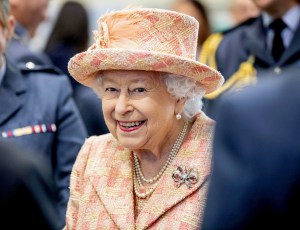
column 111, row 80
column 139, row 80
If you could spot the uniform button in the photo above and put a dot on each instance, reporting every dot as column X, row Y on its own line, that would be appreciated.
column 30, row 65
column 277, row 70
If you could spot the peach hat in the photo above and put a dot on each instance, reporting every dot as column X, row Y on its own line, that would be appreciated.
column 145, row 39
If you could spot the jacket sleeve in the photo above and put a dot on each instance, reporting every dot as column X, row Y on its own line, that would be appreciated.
column 77, row 184
column 71, row 134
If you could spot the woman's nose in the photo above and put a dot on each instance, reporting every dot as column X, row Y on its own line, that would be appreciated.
column 123, row 105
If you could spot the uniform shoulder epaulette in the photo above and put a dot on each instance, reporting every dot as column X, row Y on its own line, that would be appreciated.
column 209, row 49
column 208, row 57
column 244, row 76
column 31, row 67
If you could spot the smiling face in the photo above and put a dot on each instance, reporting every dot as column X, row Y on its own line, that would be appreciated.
column 138, row 110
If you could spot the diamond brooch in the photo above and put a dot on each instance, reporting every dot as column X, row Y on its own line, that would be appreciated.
column 182, row 175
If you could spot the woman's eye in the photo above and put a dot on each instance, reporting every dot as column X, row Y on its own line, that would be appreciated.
column 111, row 90
column 139, row 90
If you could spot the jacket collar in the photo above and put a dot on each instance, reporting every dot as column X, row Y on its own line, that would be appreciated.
column 12, row 90
column 253, row 41
column 255, row 38
column 195, row 154
column 114, row 181
column 293, row 49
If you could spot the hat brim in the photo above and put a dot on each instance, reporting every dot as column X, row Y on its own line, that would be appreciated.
column 85, row 66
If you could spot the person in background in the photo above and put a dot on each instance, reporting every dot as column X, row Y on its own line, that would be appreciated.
column 242, row 10
column 27, row 199
column 197, row 10
column 28, row 14
column 262, row 47
column 70, row 35
column 38, row 114
column 152, row 170
column 255, row 182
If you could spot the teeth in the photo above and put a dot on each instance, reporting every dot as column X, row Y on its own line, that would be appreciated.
column 130, row 124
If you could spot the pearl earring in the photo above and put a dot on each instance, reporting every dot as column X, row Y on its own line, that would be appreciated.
column 178, row 116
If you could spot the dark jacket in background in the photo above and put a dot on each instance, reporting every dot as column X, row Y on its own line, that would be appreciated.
column 255, row 181
column 250, row 39
column 42, row 98
column 27, row 198
column 244, row 41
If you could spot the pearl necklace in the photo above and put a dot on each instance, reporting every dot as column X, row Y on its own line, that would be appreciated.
column 138, row 175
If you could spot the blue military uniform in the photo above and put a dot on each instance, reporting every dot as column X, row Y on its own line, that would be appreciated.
column 242, row 57
column 255, row 182
column 38, row 113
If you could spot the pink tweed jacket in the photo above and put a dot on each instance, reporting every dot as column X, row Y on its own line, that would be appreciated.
column 102, row 197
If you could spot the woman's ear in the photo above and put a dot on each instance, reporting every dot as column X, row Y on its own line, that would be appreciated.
column 180, row 105
column 10, row 27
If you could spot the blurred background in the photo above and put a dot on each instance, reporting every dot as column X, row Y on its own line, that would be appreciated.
column 218, row 11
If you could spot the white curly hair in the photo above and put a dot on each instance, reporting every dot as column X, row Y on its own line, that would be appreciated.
column 183, row 87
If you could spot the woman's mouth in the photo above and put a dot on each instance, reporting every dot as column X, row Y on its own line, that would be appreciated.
column 130, row 126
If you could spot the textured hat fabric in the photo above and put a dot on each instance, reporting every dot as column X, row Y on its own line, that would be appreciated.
column 145, row 39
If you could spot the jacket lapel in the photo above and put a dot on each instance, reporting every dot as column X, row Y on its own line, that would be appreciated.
column 254, row 36
column 11, row 93
column 111, row 177
column 293, row 48
column 194, row 154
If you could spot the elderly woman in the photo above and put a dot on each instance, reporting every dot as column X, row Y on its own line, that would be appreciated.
column 151, row 171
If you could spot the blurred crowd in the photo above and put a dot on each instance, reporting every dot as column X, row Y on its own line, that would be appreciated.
column 46, row 115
